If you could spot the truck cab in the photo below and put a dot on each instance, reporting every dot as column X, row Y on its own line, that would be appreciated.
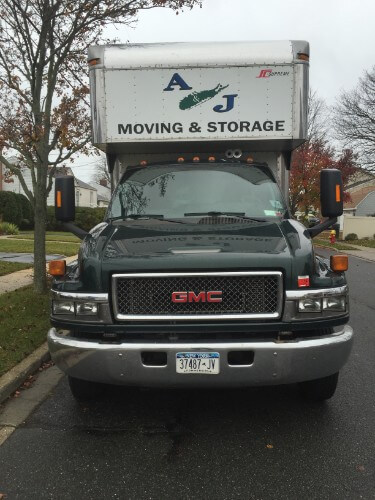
column 198, row 276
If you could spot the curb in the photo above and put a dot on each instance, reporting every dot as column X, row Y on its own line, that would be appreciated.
column 15, row 377
column 329, row 248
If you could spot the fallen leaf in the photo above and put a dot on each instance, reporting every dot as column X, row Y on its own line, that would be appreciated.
column 361, row 468
column 270, row 446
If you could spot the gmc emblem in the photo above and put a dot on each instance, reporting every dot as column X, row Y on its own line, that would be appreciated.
column 183, row 297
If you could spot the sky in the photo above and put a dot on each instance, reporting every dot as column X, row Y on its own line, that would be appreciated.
column 341, row 35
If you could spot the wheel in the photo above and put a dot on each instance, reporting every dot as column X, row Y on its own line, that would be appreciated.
column 84, row 390
column 321, row 388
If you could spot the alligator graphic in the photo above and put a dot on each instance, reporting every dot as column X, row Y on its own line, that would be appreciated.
column 198, row 98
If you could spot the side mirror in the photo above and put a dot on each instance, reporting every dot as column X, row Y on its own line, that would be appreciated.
column 64, row 198
column 331, row 193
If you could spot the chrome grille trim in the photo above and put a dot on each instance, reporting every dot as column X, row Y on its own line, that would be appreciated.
column 92, row 297
column 198, row 317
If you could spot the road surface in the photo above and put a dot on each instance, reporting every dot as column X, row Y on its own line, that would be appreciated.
column 253, row 443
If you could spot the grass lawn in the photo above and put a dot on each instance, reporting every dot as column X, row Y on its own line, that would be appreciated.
column 27, row 246
column 50, row 236
column 24, row 319
column 338, row 246
column 12, row 267
column 364, row 243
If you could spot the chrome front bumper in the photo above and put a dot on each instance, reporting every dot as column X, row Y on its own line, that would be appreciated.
column 273, row 363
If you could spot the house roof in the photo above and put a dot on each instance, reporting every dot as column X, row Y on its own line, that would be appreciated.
column 102, row 198
column 82, row 184
column 358, row 196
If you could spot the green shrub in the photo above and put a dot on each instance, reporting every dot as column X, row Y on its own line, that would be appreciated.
column 27, row 212
column 351, row 237
column 86, row 218
column 10, row 208
column 8, row 228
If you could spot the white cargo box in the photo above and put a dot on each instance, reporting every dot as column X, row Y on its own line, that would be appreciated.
column 178, row 97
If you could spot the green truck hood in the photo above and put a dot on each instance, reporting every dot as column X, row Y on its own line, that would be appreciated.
column 152, row 246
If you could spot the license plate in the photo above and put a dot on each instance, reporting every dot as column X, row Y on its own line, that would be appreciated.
column 203, row 363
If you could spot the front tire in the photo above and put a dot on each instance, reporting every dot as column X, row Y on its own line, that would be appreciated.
column 321, row 388
column 84, row 390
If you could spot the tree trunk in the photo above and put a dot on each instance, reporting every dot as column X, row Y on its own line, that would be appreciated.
column 40, row 279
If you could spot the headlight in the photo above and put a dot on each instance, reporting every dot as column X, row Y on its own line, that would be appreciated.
column 63, row 307
column 335, row 303
column 86, row 308
column 310, row 305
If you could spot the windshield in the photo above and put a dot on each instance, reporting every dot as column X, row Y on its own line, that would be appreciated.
column 177, row 191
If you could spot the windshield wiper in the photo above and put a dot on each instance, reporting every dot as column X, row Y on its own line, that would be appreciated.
column 240, row 215
column 146, row 217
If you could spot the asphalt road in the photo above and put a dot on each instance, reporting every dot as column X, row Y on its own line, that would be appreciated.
column 254, row 443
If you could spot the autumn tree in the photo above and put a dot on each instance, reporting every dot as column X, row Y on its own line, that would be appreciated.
column 307, row 163
column 354, row 120
column 44, row 88
column 314, row 155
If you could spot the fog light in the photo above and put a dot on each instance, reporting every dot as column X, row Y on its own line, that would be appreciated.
column 310, row 305
column 335, row 303
column 63, row 307
column 86, row 308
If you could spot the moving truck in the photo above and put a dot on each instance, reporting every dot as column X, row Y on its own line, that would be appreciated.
column 198, row 275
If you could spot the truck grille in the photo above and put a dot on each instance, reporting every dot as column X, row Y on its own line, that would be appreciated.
column 244, row 295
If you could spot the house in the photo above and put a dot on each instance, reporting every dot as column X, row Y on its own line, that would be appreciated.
column 358, row 211
column 85, row 195
column 362, row 202
column 104, row 192
column 362, row 193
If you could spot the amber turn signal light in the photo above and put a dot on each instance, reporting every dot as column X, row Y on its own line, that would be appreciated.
column 58, row 199
column 339, row 263
column 57, row 267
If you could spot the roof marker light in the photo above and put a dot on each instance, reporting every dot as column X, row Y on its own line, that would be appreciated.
column 249, row 159
column 143, row 163
column 180, row 159
column 94, row 62
column 211, row 158
column 196, row 158
column 303, row 57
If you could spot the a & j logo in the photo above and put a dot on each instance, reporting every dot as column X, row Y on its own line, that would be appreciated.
column 197, row 98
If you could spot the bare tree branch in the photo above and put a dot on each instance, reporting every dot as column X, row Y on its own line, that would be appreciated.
column 354, row 119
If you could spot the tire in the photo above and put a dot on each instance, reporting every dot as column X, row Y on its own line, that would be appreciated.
column 321, row 388
column 84, row 390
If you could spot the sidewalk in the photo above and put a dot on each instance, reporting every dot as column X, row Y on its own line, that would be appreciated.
column 366, row 253
column 11, row 282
